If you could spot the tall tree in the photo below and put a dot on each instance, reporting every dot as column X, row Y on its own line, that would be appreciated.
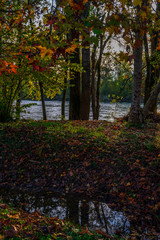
column 135, row 114
column 153, row 68
column 85, row 96
column 75, row 95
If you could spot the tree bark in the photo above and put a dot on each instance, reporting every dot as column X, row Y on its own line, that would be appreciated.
column 64, row 99
column 151, row 101
column 75, row 96
column 147, row 90
column 93, row 83
column 18, row 105
column 85, row 98
column 135, row 114
column 73, row 210
column 43, row 101
column 85, row 95
column 153, row 72
column 99, row 78
column 84, row 213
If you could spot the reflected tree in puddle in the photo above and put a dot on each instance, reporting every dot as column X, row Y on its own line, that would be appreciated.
column 95, row 215
column 72, row 207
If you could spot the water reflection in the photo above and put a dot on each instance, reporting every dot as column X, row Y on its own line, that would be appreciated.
column 95, row 215
column 108, row 111
column 53, row 108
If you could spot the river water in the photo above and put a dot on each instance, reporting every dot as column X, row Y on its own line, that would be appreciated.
column 108, row 111
column 53, row 108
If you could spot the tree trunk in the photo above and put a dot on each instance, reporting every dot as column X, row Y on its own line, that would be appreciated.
column 152, row 71
column 151, row 101
column 135, row 114
column 85, row 95
column 93, row 83
column 147, row 90
column 64, row 99
column 43, row 101
column 99, row 78
column 75, row 96
column 73, row 210
column 84, row 213
column 18, row 105
column 85, row 98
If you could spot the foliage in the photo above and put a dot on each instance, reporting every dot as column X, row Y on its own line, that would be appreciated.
column 32, row 50
column 35, row 40
column 117, row 83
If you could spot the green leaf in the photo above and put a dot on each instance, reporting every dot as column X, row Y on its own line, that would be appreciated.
column 97, row 31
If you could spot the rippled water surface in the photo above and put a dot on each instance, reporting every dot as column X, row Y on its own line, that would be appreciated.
column 53, row 108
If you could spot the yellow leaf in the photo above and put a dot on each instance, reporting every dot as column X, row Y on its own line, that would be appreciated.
column 128, row 184
column 137, row 2
column 116, row 16
column 45, row 52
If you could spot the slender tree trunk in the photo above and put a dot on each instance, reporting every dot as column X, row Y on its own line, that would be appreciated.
column 147, row 89
column 73, row 210
column 85, row 96
column 93, row 83
column 84, row 213
column 151, row 101
column 18, row 105
column 152, row 71
column 43, row 101
column 99, row 78
column 135, row 114
column 98, row 90
column 75, row 96
column 155, row 70
column 64, row 99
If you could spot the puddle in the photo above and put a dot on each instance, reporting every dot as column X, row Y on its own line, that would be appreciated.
column 95, row 215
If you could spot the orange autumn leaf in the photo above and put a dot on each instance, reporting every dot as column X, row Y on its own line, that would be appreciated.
column 71, row 49
column 85, row 1
column 158, row 47
column 86, row 231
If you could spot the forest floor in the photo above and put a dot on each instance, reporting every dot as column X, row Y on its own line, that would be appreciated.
column 114, row 162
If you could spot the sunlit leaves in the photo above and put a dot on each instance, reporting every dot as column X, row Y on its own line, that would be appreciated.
column 45, row 52
column 71, row 49
column 7, row 67
column 137, row 2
